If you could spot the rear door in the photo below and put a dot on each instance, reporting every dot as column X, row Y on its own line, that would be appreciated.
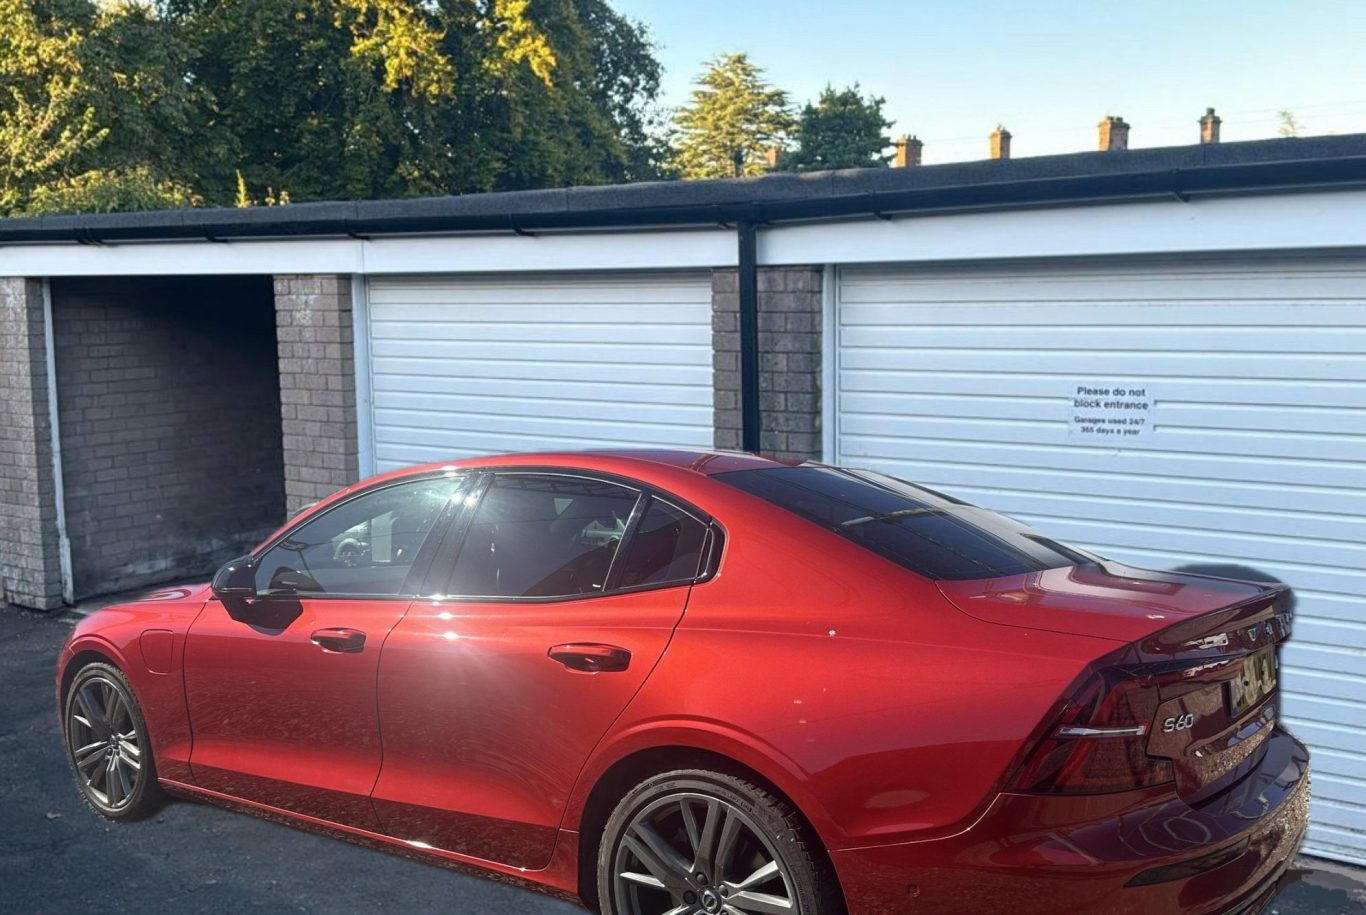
column 491, row 700
column 281, row 689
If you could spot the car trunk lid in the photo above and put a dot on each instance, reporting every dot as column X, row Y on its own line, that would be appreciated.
column 1200, row 651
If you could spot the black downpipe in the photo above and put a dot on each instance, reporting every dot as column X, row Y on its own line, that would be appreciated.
column 748, row 288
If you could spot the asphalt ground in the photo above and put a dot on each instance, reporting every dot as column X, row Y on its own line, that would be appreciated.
column 56, row 855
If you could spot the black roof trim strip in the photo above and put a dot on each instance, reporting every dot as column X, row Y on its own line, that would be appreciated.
column 1177, row 172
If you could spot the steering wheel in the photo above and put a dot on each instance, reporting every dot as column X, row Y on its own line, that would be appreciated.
column 349, row 552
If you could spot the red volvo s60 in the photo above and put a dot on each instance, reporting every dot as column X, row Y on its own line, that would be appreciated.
column 675, row 682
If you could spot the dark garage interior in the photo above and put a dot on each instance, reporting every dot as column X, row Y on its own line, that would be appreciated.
column 169, row 413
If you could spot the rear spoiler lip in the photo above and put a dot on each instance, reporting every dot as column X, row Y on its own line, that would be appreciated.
column 1269, row 628
column 1247, row 594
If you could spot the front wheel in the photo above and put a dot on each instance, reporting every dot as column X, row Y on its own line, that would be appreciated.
column 106, row 741
column 692, row 842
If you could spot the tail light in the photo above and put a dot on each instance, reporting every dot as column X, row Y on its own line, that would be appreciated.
column 1097, row 743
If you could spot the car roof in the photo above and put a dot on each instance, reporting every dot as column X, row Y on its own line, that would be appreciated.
column 645, row 462
column 668, row 468
column 618, row 460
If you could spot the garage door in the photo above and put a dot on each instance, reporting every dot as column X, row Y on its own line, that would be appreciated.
column 463, row 366
column 1163, row 414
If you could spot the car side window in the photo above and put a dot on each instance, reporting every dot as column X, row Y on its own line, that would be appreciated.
column 666, row 547
column 542, row 535
column 365, row 546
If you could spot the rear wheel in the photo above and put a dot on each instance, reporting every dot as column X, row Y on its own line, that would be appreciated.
column 106, row 741
column 701, row 843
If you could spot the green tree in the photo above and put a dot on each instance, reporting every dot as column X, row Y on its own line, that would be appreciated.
column 734, row 119
column 625, row 84
column 842, row 129
column 135, row 103
column 45, row 120
column 96, row 108
column 389, row 98
column 140, row 72
column 110, row 192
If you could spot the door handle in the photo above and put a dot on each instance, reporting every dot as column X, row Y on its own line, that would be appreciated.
column 347, row 640
column 591, row 659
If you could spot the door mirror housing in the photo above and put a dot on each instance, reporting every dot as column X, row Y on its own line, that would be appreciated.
column 236, row 580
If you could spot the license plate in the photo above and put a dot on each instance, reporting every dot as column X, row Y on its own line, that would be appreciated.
column 1257, row 678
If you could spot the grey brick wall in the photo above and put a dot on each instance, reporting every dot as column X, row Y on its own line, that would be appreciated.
column 169, row 409
column 789, row 360
column 30, row 569
column 317, row 386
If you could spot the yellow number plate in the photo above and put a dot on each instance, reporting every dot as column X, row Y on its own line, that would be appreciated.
column 1257, row 678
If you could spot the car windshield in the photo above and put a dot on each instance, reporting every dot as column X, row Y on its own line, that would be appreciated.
column 929, row 533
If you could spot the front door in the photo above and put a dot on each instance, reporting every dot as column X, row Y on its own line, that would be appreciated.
column 492, row 701
column 281, row 689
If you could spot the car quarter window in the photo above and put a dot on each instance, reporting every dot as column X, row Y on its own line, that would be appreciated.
column 364, row 546
column 542, row 535
column 666, row 546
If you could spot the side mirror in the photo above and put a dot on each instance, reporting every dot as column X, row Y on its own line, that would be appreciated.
column 236, row 580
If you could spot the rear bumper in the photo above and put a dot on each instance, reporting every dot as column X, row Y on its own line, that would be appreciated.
column 1139, row 852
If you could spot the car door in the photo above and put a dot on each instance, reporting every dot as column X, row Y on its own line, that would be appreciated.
column 281, row 688
column 493, row 694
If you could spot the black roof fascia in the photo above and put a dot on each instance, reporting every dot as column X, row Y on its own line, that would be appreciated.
column 1178, row 172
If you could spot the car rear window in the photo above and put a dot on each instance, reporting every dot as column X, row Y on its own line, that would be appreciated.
column 926, row 532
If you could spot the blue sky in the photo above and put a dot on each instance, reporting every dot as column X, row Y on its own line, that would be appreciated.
column 1048, row 70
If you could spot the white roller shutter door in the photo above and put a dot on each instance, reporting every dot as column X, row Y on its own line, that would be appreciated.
column 1232, row 431
column 469, row 365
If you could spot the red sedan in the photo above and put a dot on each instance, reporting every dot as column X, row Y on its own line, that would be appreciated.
column 675, row 682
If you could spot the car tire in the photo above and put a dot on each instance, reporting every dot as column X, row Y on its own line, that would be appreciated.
column 107, row 745
column 697, row 841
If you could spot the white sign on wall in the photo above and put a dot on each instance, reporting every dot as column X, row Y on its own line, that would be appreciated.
column 1109, row 412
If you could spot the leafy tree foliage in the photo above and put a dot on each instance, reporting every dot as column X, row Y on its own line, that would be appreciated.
column 109, row 192
column 734, row 119
column 45, row 121
column 842, row 129
column 626, row 81
column 317, row 98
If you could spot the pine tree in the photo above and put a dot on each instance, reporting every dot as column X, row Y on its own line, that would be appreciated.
column 734, row 119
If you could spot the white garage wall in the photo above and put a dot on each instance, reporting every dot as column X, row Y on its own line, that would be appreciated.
column 468, row 365
column 1254, row 452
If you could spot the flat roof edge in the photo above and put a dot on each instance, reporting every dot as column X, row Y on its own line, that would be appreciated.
column 1234, row 168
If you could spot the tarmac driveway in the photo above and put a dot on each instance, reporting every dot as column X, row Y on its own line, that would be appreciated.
column 58, row 856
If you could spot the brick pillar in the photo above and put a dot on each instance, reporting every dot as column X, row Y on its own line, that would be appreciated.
column 789, row 360
column 30, row 567
column 317, row 386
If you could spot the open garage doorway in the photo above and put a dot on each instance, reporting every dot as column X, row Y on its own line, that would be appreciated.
column 168, row 401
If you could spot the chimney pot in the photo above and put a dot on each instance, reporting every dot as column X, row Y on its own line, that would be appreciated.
column 1114, row 134
column 908, row 151
column 1209, row 126
column 1000, row 143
